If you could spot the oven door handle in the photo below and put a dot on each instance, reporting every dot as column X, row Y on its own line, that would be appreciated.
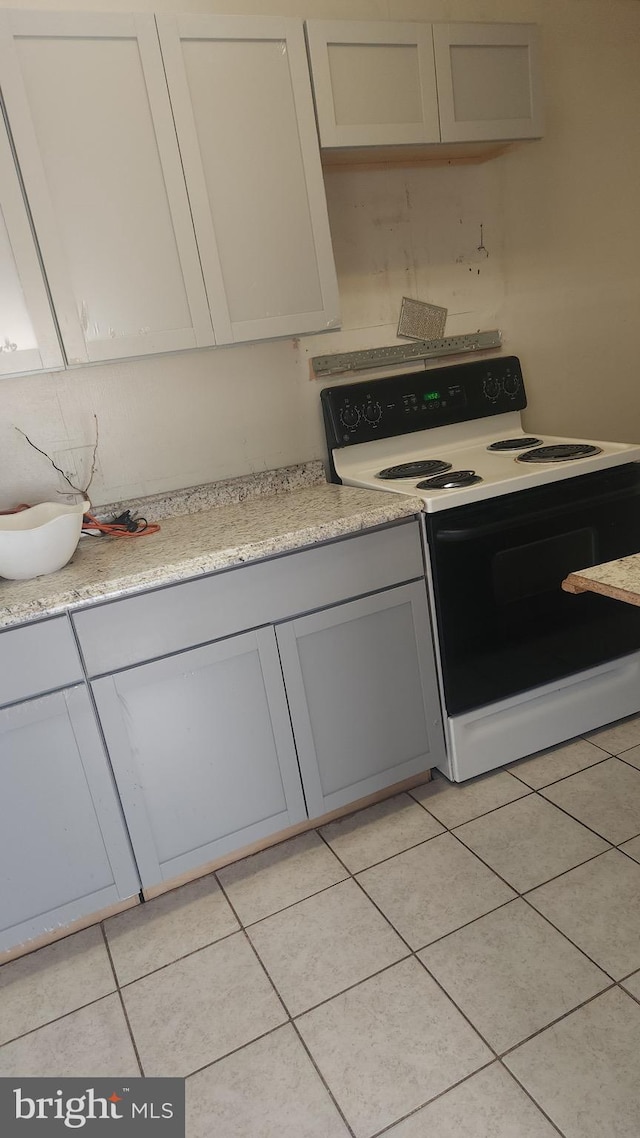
column 472, row 533
column 489, row 529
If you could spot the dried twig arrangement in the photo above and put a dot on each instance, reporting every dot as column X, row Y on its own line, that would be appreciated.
column 76, row 489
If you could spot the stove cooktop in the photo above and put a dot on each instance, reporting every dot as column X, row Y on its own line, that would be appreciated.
column 451, row 436
column 471, row 469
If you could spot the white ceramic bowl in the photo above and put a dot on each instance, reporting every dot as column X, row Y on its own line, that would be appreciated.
column 39, row 540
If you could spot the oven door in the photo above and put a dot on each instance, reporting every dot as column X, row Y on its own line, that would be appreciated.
column 504, row 623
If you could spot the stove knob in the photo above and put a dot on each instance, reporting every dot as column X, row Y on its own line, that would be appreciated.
column 491, row 388
column 511, row 384
column 350, row 417
column 373, row 413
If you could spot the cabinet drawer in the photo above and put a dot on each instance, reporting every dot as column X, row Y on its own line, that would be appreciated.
column 156, row 623
column 37, row 658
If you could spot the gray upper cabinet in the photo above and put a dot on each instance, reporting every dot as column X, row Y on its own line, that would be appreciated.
column 241, row 99
column 89, row 111
column 28, row 336
column 374, row 82
column 488, row 81
column 363, row 695
column 176, row 193
column 202, row 750
column 64, row 851
column 389, row 84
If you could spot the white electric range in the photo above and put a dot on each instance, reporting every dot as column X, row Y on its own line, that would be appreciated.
column 508, row 514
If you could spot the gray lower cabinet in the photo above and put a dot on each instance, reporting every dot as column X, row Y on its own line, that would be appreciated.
column 202, row 751
column 64, row 851
column 363, row 695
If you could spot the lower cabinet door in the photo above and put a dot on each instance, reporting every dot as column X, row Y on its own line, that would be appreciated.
column 363, row 695
column 203, row 752
column 64, row 850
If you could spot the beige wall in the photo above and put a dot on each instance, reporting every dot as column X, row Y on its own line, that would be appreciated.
column 561, row 222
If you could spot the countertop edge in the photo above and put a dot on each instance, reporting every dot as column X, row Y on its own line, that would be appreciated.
column 577, row 583
column 392, row 508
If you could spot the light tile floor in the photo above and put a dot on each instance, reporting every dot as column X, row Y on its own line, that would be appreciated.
column 457, row 962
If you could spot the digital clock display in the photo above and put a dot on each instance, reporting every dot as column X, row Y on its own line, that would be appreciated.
column 431, row 396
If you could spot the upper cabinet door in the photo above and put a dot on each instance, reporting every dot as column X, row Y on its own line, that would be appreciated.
column 488, row 81
column 374, row 82
column 91, row 120
column 242, row 103
column 28, row 337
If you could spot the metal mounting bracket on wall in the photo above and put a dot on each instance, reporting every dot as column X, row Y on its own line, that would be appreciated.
column 341, row 362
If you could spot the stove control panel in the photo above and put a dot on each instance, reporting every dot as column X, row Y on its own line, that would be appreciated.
column 400, row 404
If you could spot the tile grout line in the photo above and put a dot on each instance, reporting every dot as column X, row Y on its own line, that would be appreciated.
column 601, row 746
column 289, row 1018
column 626, row 761
column 414, row 953
column 529, row 791
column 121, row 998
column 627, row 992
column 564, row 872
column 350, row 875
column 541, row 794
column 531, row 1098
column 510, row 900
column 627, row 976
column 56, row 1019
column 411, row 952
column 242, row 928
column 523, row 897
column 324, row 1082
column 374, row 864
column 619, row 845
column 554, row 1022
column 417, row 1109
column 562, row 777
column 600, row 967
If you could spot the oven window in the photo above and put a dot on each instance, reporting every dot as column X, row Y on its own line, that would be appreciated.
column 503, row 622
column 539, row 566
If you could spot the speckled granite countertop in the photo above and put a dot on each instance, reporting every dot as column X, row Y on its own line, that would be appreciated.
column 619, row 579
column 218, row 526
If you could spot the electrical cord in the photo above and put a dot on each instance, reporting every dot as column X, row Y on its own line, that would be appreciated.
column 123, row 526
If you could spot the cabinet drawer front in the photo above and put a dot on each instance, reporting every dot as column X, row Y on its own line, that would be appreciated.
column 37, row 658
column 157, row 623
